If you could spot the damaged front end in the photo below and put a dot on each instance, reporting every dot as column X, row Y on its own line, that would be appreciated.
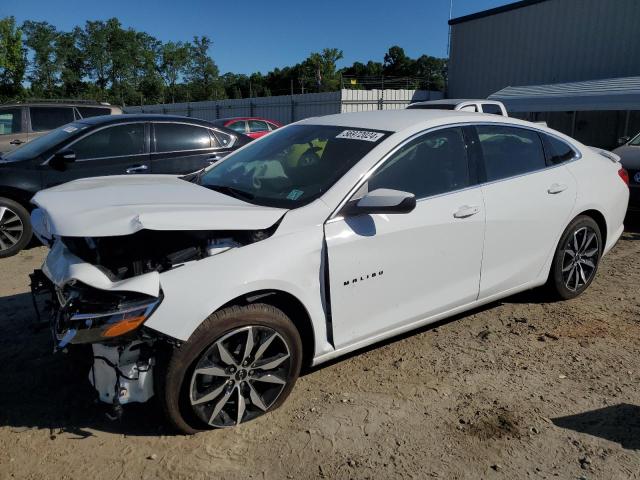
column 101, row 291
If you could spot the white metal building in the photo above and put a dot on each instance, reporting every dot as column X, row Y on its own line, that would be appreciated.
column 572, row 63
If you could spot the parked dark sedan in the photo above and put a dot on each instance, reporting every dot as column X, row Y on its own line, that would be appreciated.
column 105, row 145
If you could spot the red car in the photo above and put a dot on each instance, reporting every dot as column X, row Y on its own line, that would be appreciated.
column 253, row 127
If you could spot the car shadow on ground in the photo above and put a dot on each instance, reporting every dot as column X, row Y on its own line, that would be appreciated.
column 43, row 390
column 617, row 423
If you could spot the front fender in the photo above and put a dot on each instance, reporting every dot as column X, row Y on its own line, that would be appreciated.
column 290, row 263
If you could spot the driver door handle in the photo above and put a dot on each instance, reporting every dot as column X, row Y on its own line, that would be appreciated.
column 466, row 211
column 556, row 188
column 16, row 141
column 137, row 169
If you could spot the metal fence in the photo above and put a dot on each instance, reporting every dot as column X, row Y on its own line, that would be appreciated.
column 291, row 108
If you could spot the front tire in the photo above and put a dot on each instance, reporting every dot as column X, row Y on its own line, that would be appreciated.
column 15, row 227
column 239, row 364
column 577, row 257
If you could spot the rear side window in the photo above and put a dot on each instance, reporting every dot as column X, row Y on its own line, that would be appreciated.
column 48, row 118
column 87, row 112
column 433, row 164
column 175, row 137
column 509, row 151
column 10, row 121
column 491, row 108
column 224, row 139
column 557, row 151
column 120, row 140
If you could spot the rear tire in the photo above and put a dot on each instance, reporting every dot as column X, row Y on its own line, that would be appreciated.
column 15, row 227
column 221, row 377
column 576, row 260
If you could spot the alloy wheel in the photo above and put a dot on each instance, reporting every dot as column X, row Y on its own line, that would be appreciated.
column 580, row 258
column 240, row 376
column 11, row 228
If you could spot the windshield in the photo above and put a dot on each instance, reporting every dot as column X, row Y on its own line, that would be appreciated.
column 43, row 143
column 292, row 166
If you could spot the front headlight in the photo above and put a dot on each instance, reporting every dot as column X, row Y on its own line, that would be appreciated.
column 88, row 315
column 112, row 324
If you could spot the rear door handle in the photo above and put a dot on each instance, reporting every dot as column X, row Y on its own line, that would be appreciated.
column 557, row 188
column 137, row 169
column 16, row 141
column 466, row 211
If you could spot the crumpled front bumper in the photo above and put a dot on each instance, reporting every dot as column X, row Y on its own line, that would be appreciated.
column 83, row 305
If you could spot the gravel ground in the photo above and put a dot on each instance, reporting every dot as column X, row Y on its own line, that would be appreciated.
column 518, row 389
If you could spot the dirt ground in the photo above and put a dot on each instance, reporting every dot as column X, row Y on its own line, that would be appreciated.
column 519, row 389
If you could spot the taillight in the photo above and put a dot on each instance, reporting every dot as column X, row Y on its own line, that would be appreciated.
column 624, row 175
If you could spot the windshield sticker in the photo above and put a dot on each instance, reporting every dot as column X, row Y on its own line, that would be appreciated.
column 70, row 129
column 361, row 135
column 294, row 194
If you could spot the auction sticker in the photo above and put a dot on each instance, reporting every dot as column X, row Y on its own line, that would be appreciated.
column 360, row 135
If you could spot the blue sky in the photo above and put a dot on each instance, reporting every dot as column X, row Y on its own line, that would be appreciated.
column 251, row 35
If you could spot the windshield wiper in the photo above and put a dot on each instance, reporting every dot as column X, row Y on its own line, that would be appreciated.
column 231, row 191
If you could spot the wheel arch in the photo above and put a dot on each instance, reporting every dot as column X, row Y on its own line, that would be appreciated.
column 17, row 195
column 292, row 307
column 599, row 218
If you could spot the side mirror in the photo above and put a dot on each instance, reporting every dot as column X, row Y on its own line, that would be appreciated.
column 61, row 159
column 383, row 200
column 623, row 140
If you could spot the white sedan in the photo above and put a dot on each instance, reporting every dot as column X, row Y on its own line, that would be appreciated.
column 211, row 291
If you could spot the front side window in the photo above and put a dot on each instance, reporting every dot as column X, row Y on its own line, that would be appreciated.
column 120, row 140
column 239, row 127
column 273, row 126
column 10, row 121
column 176, row 137
column 509, row 151
column 557, row 150
column 258, row 126
column 432, row 164
column 291, row 166
column 48, row 118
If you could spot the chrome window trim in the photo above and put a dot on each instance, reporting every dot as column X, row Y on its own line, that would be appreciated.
column 231, row 144
column 95, row 131
column 334, row 216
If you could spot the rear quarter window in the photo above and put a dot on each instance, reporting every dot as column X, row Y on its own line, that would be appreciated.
column 556, row 150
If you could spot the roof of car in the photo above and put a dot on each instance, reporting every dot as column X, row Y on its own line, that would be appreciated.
column 149, row 117
column 229, row 119
column 391, row 120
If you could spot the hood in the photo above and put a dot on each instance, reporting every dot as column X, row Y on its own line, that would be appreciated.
column 122, row 205
column 630, row 156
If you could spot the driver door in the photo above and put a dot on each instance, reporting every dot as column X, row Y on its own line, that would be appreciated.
column 388, row 271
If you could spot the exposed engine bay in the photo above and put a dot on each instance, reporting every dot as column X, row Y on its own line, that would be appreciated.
column 146, row 251
column 112, row 320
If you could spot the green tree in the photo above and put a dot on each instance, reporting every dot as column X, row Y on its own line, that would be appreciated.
column 41, row 38
column 93, row 42
column 173, row 64
column 13, row 62
column 202, row 72
column 71, row 63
